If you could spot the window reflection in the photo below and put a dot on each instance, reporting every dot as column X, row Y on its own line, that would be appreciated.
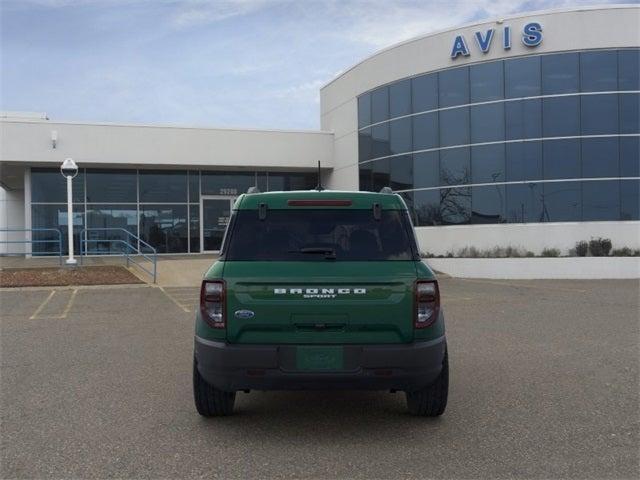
column 598, row 71
column 49, row 186
column 400, row 135
column 487, row 164
column 163, row 186
column 601, row 200
column 455, row 205
column 455, row 167
column 488, row 204
column 524, row 203
column 55, row 217
column 561, row 202
column 111, row 220
column 400, row 98
column 560, row 73
column 600, row 157
column 424, row 92
column 630, row 199
column 453, row 87
column 401, row 172
column 165, row 227
column 112, row 186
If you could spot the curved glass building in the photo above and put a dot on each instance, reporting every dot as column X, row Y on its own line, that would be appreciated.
column 544, row 138
column 521, row 131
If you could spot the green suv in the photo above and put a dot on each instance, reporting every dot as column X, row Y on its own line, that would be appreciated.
column 320, row 290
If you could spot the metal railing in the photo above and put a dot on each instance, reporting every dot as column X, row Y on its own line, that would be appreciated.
column 128, row 250
column 31, row 241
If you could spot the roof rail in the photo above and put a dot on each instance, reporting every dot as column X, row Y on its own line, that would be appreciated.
column 253, row 189
column 386, row 190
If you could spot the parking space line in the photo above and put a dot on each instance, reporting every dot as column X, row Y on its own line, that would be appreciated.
column 69, row 303
column 174, row 300
column 42, row 305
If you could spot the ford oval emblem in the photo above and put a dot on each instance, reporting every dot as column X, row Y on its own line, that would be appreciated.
column 244, row 314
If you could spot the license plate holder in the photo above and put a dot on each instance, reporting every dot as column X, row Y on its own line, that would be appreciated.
column 319, row 358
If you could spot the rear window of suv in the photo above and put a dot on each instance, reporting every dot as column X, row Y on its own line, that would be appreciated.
column 320, row 235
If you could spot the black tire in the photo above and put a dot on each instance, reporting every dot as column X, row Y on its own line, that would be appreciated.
column 211, row 402
column 432, row 400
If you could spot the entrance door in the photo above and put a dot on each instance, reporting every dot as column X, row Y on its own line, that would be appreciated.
column 214, row 217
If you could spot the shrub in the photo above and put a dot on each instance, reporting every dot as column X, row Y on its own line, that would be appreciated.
column 530, row 254
column 600, row 247
column 550, row 252
column 427, row 255
column 582, row 248
column 622, row 252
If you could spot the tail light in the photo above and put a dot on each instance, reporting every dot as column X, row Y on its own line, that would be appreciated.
column 212, row 303
column 427, row 303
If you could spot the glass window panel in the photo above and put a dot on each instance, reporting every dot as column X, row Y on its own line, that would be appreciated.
column 364, row 110
column 600, row 157
column 400, row 98
column 599, row 71
column 455, row 166
column 163, row 186
column 630, row 199
column 262, row 181
column 380, row 141
column 53, row 216
column 599, row 114
column 115, row 218
column 426, row 169
column 523, row 161
column 194, row 186
column 424, row 92
column 487, row 164
column 629, row 113
column 112, row 186
column 425, row 131
column 561, row 116
column 227, row 183
column 401, row 172
column 164, row 227
column 282, row 182
column 630, row 156
column 364, row 145
column 380, row 105
column 453, row 87
column 487, row 81
column 523, row 119
column 454, row 127
column 426, row 207
column 562, row 202
column 560, row 73
column 488, row 204
column 194, row 227
column 601, row 200
column 522, row 77
column 380, row 174
column 49, row 186
column 366, row 179
column 487, row 123
column 629, row 70
column 524, row 203
column 455, row 205
column 400, row 135
column 561, row 159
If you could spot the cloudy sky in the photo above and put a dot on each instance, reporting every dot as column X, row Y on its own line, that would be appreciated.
column 245, row 63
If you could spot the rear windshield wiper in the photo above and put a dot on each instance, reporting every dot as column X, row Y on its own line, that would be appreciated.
column 329, row 253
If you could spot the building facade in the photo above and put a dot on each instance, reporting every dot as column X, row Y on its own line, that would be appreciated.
column 517, row 132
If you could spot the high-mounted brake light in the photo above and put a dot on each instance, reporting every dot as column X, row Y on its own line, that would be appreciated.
column 427, row 303
column 212, row 302
column 319, row 203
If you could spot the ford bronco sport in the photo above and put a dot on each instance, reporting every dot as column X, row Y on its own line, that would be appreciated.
column 320, row 290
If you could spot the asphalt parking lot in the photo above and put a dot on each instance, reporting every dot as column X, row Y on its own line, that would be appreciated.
column 96, row 382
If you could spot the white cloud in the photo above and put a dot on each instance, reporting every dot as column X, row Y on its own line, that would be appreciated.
column 190, row 13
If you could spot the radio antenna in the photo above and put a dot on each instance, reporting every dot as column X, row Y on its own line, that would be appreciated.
column 319, row 186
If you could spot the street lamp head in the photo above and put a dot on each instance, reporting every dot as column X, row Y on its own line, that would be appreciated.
column 69, row 169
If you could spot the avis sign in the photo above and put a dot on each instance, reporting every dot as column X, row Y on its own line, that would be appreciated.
column 531, row 37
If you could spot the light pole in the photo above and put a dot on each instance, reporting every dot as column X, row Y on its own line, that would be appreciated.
column 69, row 169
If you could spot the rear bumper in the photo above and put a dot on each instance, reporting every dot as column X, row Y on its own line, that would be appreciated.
column 231, row 367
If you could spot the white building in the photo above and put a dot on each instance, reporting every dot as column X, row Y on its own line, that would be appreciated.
column 521, row 131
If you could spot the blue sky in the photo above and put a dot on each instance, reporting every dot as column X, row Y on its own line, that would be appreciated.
column 244, row 63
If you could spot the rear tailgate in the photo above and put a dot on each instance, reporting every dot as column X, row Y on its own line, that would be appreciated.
column 320, row 302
